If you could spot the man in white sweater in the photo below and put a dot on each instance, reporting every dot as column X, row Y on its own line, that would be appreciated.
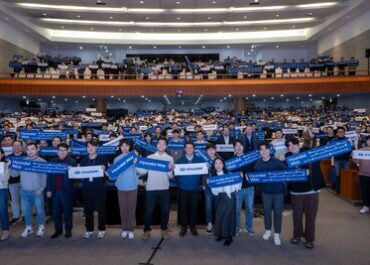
column 157, row 190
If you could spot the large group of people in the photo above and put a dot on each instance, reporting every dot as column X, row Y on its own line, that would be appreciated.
column 176, row 138
column 49, row 67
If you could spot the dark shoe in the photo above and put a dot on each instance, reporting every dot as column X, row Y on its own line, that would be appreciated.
column 15, row 221
column 56, row 234
column 218, row 239
column 295, row 240
column 194, row 232
column 228, row 241
column 68, row 234
column 182, row 232
column 309, row 245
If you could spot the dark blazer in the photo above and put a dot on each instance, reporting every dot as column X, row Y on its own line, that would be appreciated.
column 249, row 145
column 221, row 140
column 67, row 183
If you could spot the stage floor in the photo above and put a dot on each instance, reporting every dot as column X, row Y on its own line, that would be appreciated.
column 343, row 237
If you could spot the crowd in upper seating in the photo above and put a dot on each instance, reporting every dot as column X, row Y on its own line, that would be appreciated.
column 48, row 67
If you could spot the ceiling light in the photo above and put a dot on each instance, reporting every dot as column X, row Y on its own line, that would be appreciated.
column 338, row 95
column 245, row 17
column 78, row 16
column 110, row 17
column 214, row 2
column 91, row 28
column 130, row 47
column 112, row 96
column 62, row 27
column 66, row 99
column 310, row 14
column 282, row 95
column 203, row 47
column 147, row 18
column 179, row 24
column 81, row 47
column 277, row 15
column 228, row 46
column 310, row 95
column 178, row 2
column 179, row 47
column 277, row 46
column 83, row 96
column 254, row 95
column 44, row 14
column 76, row 101
column 209, row 18
column 142, row 96
column 141, row 2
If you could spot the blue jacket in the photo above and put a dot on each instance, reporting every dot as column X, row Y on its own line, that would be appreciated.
column 192, row 182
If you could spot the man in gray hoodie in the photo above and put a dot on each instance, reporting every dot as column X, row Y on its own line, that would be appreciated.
column 32, row 193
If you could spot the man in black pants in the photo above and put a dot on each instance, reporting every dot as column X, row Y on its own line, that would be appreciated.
column 188, row 192
column 60, row 188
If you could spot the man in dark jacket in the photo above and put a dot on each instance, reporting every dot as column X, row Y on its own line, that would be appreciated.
column 305, row 198
column 59, row 188
column 225, row 139
column 188, row 192
column 249, row 139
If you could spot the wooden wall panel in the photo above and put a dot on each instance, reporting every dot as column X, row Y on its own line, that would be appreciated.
column 188, row 87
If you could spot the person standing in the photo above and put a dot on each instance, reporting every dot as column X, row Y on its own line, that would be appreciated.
column 94, row 191
column 364, row 174
column 127, row 184
column 14, row 183
column 60, row 188
column 225, row 198
column 272, row 193
column 244, row 195
column 188, row 192
column 32, row 193
column 305, row 199
column 157, row 190
column 4, row 216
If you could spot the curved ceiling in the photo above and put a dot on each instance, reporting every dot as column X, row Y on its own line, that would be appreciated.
column 175, row 21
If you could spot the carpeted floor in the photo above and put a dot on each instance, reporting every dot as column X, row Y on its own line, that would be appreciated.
column 343, row 237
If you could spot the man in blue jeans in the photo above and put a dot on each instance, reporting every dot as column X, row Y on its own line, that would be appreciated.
column 32, row 193
column 244, row 195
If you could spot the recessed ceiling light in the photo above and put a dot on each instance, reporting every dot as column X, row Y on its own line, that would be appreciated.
column 179, row 30
column 265, row 28
column 91, row 28
column 272, row 98
column 209, row 18
column 338, row 95
column 78, row 16
column 110, row 17
column 237, row 29
column 228, row 46
column 293, row 26
column 130, row 47
column 147, row 18
column 66, row 99
column 264, row 100
column 39, row 99
column 205, row 29
column 310, row 95
column 203, row 47
column 141, row 2
column 178, row 2
column 119, row 29
column 81, row 47
column 297, row 97
column 179, row 47
column 44, row 14
column 178, row 18
column 277, row 46
column 154, row 47
column 142, row 96
column 282, row 95
column 277, row 15
column 214, row 2
column 112, row 96
column 245, row 17
column 310, row 14
column 53, row 97
column 83, row 96
column 254, row 95
column 62, row 27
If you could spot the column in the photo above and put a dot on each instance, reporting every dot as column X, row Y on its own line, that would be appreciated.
column 240, row 104
column 101, row 105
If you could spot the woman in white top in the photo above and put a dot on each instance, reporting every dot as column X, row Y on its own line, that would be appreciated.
column 225, row 218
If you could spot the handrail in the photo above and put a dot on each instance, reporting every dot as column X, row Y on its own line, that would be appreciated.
column 186, row 76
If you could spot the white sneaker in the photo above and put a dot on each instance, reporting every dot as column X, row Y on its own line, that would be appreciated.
column 238, row 232
column 124, row 234
column 131, row 235
column 277, row 239
column 5, row 235
column 100, row 234
column 88, row 234
column 41, row 231
column 28, row 231
column 365, row 210
column 266, row 235
column 209, row 228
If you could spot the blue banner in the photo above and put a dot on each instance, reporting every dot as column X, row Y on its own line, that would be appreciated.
column 70, row 130
column 202, row 154
column 144, row 145
column 243, row 160
column 175, row 145
column 91, row 125
column 76, row 143
column 101, row 150
column 40, row 135
column 334, row 148
column 290, row 175
column 38, row 167
column 224, row 180
column 320, row 135
column 132, row 137
column 47, row 151
column 201, row 146
column 261, row 135
column 121, row 165
column 153, row 164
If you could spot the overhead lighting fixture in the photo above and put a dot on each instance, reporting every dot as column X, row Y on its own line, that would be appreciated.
column 104, row 9
column 178, row 24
